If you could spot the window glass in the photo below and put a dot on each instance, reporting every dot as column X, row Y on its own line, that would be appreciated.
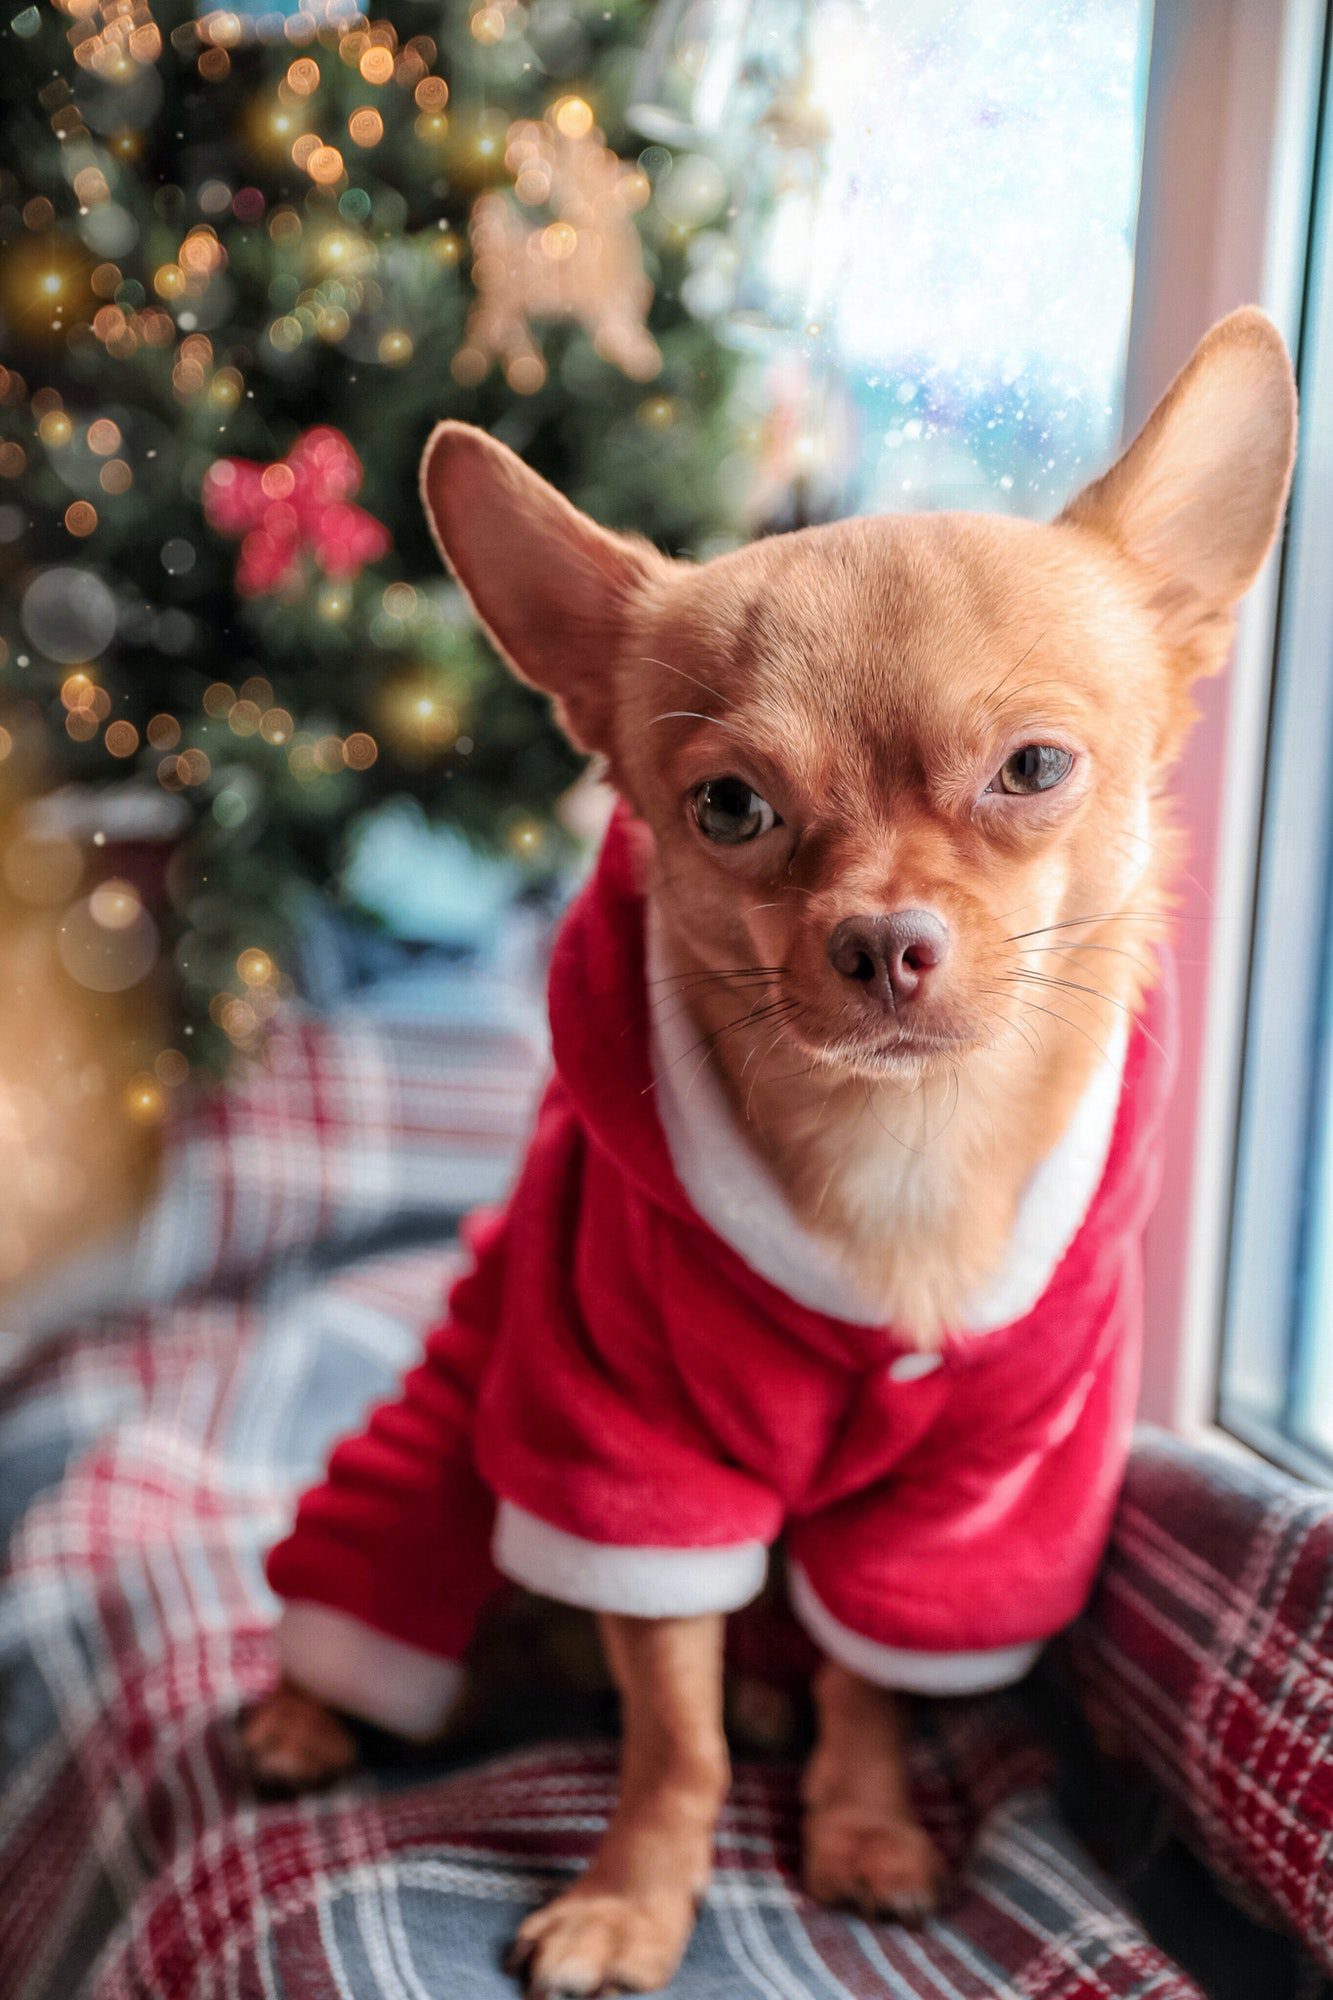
column 930, row 236
column 974, row 259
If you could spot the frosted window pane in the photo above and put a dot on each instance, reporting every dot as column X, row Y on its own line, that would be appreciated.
column 972, row 263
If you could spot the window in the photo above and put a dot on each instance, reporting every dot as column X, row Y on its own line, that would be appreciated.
column 929, row 242
column 972, row 264
column 1277, row 1376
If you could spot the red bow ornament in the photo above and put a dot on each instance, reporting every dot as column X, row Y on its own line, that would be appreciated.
column 300, row 505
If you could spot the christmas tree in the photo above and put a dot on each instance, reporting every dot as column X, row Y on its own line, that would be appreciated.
column 249, row 260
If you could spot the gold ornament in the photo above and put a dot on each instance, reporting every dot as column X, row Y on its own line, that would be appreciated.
column 584, row 263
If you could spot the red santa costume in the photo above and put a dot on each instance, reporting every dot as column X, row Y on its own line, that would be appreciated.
column 651, row 1370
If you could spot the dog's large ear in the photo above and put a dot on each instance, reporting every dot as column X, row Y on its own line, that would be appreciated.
column 1197, row 498
column 552, row 588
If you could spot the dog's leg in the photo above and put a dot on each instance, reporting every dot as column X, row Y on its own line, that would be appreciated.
column 626, row 1921
column 863, row 1843
column 293, row 1742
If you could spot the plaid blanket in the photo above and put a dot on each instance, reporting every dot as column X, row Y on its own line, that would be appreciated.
column 1208, row 1661
column 150, row 1452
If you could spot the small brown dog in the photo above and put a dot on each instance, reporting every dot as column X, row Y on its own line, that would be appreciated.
column 902, row 785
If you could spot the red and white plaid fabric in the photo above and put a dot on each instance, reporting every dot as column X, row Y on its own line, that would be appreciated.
column 1207, row 1656
column 149, row 1456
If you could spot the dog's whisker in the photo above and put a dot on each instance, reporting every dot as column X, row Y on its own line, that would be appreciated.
column 1027, row 688
column 715, row 1035
column 986, row 699
column 833, row 1168
column 1068, row 985
column 790, row 1075
column 687, row 981
column 1061, row 986
column 1033, row 1005
column 1006, row 1020
column 897, row 1137
column 722, row 972
column 1069, row 950
column 1072, row 986
column 693, row 715
column 661, row 1020
column 650, row 660
column 1177, row 866
column 657, row 1001
column 1023, row 1025
column 1020, row 1027
column 957, row 1100
column 928, row 1138
column 1005, row 915
column 1074, row 923
column 776, row 1008
column 773, row 1043
column 689, row 987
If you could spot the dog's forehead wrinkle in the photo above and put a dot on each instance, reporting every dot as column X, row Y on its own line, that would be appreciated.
column 875, row 613
column 866, row 654
column 751, row 636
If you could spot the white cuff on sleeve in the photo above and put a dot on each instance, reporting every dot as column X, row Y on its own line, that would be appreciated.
column 897, row 1667
column 351, row 1666
column 630, row 1582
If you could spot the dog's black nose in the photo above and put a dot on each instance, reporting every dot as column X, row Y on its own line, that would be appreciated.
column 889, row 956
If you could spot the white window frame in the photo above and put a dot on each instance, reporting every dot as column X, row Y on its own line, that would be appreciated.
column 1229, row 146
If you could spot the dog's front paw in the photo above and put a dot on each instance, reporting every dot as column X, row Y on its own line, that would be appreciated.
column 589, row 1942
column 293, row 1743
column 881, row 1867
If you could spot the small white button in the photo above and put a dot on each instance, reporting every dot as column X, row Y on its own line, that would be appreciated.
column 911, row 1367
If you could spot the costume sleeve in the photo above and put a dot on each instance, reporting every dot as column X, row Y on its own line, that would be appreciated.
column 615, row 1493
column 395, row 1541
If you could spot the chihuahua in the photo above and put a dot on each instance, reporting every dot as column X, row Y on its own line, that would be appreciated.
column 830, row 1222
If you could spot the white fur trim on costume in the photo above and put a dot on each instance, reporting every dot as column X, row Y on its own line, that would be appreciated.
column 633, row 1582
column 734, row 1192
column 351, row 1666
column 1056, row 1198
column 900, row 1668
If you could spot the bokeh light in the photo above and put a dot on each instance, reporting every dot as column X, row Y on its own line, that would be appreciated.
column 255, row 967
column 115, row 905
column 324, row 165
column 377, row 65
column 572, row 117
column 69, row 614
column 102, row 958
column 365, row 126
column 144, row 1101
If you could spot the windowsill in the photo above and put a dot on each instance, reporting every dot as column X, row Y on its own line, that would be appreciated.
column 1251, row 1439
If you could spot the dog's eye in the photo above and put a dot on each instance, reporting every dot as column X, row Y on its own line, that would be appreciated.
column 1037, row 767
column 728, row 812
